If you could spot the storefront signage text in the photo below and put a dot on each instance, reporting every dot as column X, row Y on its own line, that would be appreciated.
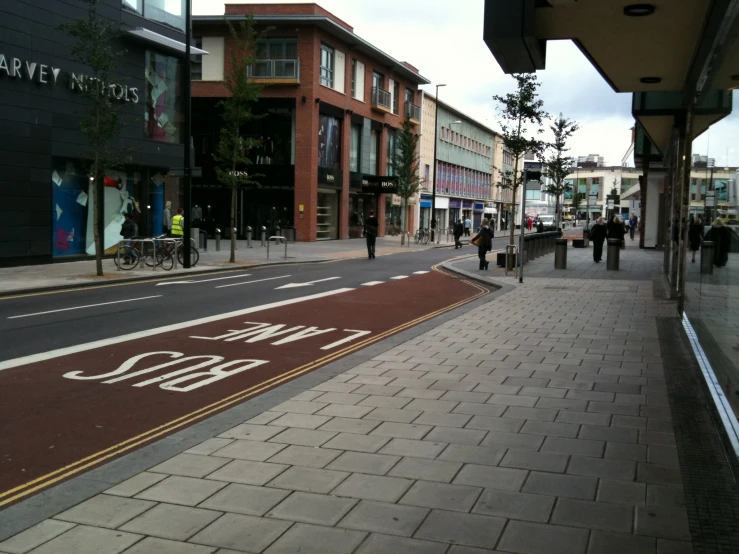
column 46, row 74
column 379, row 185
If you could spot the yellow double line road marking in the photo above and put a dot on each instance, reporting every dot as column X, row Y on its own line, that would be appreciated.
column 85, row 463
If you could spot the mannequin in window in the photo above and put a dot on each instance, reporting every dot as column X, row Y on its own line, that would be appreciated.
column 167, row 218
column 197, row 215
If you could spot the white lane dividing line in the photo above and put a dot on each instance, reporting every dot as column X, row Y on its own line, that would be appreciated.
column 51, row 354
column 372, row 283
column 254, row 281
column 203, row 280
column 306, row 284
column 83, row 307
column 398, row 277
column 419, row 272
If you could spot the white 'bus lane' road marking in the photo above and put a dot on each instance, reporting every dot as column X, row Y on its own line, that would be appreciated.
column 163, row 283
column 306, row 284
column 253, row 281
column 52, row 354
column 83, row 307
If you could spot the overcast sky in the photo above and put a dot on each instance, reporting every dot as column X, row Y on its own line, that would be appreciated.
column 444, row 40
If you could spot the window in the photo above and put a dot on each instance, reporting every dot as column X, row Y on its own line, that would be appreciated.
column 374, row 148
column 169, row 12
column 409, row 96
column 327, row 66
column 162, row 116
column 693, row 189
column 390, row 153
column 277, row 48
column 354, row 148
column 396, row 99
column 378, row 80
column 426, row 175
column 354, row 78
column 196, row 68
column 533, row 195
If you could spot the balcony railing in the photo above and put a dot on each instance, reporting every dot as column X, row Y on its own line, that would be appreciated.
column 381, row 100
column 413, row 112
column 275, row 70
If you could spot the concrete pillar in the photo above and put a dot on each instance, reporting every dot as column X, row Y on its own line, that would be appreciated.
column 346, row 133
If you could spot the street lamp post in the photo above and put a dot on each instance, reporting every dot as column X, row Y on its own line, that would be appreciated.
column 186, row 99
column 436, row 170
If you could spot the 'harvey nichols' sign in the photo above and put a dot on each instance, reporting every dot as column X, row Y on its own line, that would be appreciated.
column 45, row 74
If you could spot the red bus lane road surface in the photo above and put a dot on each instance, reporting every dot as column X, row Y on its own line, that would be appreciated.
column 64, row 412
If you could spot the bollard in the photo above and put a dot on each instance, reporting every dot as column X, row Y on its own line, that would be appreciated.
column 525, row 254
column 248, row 236
column 218, row 240
column 278, row 231
column 614, row 253
column 534, row 250
column 236, row 237
column 585, row 238
column 707, row 253
column 560, row 254
column 551, row 240
column 264, row 236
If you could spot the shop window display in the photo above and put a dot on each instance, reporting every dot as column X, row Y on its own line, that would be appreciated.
column 329, row 141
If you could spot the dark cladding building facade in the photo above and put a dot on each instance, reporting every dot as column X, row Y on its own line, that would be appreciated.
column 45, row 190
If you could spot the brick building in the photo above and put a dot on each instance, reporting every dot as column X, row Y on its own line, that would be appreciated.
column 332, row 105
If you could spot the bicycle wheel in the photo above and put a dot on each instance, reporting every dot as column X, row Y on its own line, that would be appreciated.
column 127, row 260
column 165, row 260
column 426, row 237
column 194, row 256
column 417, row 237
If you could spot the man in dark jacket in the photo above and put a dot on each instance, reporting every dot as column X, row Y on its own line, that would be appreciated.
column 128, row 231
column 598, row 235
column 370, row 232
column 458, row 232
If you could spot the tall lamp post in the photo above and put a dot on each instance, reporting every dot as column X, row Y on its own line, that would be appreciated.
column 187, row 177
column 436, row 169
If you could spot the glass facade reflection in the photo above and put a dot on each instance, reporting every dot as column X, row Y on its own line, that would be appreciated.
column 163, row 116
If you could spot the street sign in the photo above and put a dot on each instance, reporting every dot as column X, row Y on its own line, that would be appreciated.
column 611, row 204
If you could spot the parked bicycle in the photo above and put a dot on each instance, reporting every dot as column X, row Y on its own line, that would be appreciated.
column 422, row 236
column 131, row 254
column 170, row 247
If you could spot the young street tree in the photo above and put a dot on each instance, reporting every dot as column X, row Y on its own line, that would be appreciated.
column 94, row 49
column 522, row 116
column 577, row 198
column 405, row 166
column 233, row 147
column 557, row 165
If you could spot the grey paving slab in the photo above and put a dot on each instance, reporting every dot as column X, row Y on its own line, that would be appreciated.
column 88, row 540
column 615, row 434
column 540, row 461
column 402, row 430
column 383, row 517
column 105, row 511
column 593, row 515
column 598, row 467
column 358, row 443
column 309, row 479
column 241, row 532
column 245, row 499
column 136, row 484
column 581, row 447
column 464, row 529
column 495, row 423
column 517, row 441
column 303, row 437
column 665, row 522
column 35, row 536
column 393, row 414
column 603, row 542
column 302, row 421
column 555, row 484
column 535, row 538
column 320, row 509
column 189, row 465
column 455, row 436
column 515, row 505
column 373, row 487
column 182, row 490
column 624, row 451
column 303, row 538
column 425, row 469
column 249, row 450
column 362, row 462
column 493, row 477
column 622, row 492
column 170, row 521
column 483, row 455
column 386, row 544
column 538, row 414
column 209, row 446
column 349, row 425
column 418, row 449
column 152, row 545
column 305, row 456
column 248, row 472
column 443, row 419
column 249, row 431
column 441, row 496
column 665, row 495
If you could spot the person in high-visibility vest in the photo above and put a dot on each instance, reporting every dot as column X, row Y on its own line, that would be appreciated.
column 178, row 224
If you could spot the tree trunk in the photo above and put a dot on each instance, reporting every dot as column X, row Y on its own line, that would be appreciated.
column 512, row 239
column 96, row 209
column 405, row 222
column 233, row 225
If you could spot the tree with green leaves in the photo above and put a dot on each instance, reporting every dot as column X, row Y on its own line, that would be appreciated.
column 557, row 165
column 522, row 116
column 94, row 47
column 405, row 164
column 238, row 110
column 577, row 198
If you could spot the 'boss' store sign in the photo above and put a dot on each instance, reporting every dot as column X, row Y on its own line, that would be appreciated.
column 45, row 74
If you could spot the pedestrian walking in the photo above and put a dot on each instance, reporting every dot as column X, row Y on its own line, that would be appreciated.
column 695, row 236
column 128, row 231
column 484, row 242
column 370, row 233
column 458, row 231
column 540, row 227
column 721, row 237
column 467, row 226
column 598, row 234
column 632, row 226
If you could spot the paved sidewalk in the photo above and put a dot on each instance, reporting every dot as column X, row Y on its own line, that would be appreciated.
column 536, row 423
column 29, row 278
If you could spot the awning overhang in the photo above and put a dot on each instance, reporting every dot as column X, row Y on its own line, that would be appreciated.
column 147, row 35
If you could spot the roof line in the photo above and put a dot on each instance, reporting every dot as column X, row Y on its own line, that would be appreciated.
column 337, row 30
column 459, row 112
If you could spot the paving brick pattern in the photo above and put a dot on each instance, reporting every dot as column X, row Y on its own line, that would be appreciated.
column 535, row 424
